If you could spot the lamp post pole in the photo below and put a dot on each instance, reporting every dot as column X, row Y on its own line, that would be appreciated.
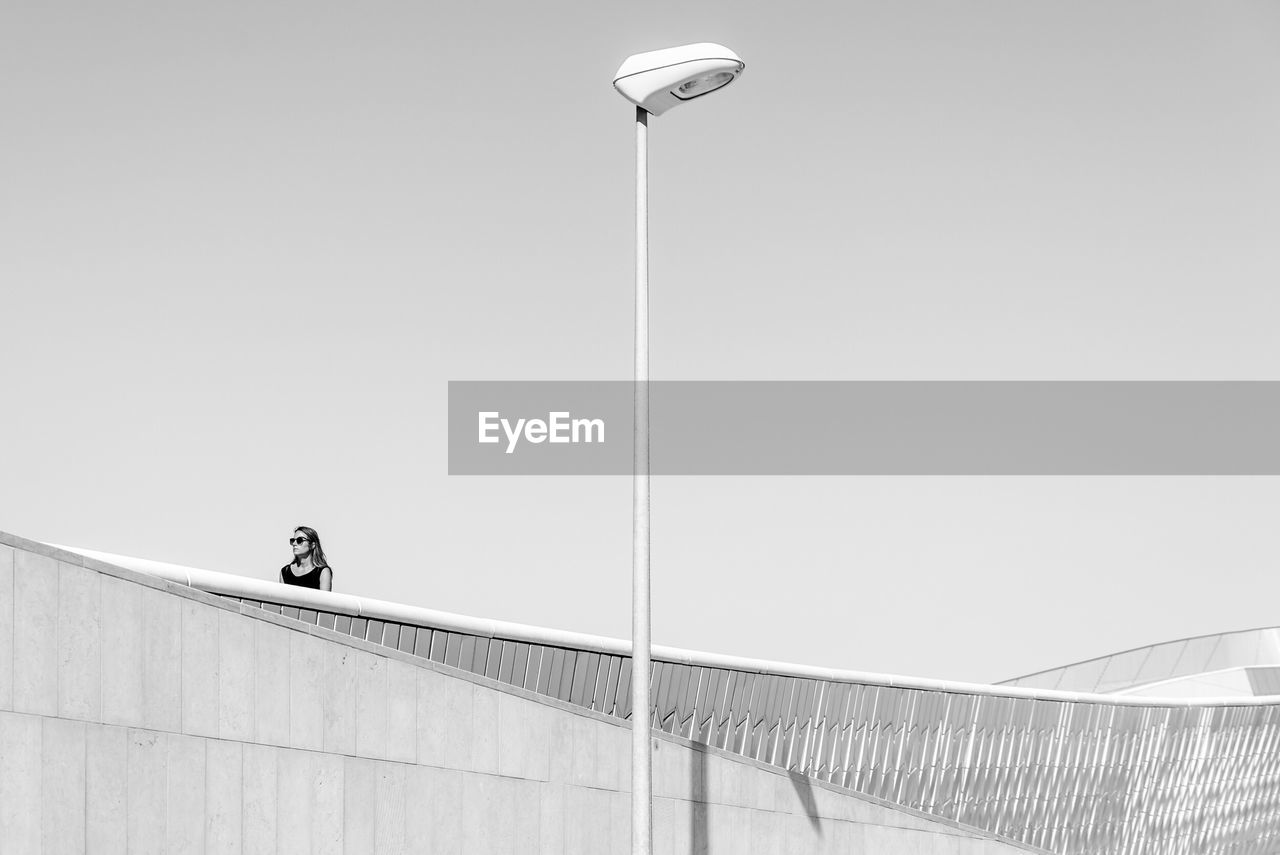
column 641, row 760
column 655, row 82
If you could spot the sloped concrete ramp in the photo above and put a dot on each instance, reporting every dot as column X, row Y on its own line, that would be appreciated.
column 141, row 716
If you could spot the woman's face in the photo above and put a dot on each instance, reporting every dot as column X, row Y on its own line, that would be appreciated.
column 301, row 545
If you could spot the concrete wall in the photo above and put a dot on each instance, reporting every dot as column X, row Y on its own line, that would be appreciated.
column 144, row 717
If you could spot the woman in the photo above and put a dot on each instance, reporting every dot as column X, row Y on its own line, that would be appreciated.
column 309, row 569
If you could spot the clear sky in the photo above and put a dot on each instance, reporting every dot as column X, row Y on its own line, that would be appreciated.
column 245, row 246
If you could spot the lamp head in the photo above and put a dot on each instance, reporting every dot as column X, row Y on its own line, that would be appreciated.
column 660, row 79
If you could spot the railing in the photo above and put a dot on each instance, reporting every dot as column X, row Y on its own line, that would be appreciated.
column 1157, row 663
column 1068, row 772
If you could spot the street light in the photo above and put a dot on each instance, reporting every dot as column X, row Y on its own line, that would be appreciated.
column 655, row 82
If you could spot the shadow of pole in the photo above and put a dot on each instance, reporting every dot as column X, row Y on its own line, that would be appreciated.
column 699, row 835
column 699, row 831
column 803, row 786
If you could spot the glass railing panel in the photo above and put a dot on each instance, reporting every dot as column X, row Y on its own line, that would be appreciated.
column 1239, row 649
column 573, row 660
column 1162, row 661
column 612, row 690
column 585, row 669
column 421, row 641
column 1196, row 655
column 1122, row 670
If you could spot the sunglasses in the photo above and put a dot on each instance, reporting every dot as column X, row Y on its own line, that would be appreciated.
column 294, row 541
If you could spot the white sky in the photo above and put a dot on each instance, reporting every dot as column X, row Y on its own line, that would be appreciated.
column 245, row 246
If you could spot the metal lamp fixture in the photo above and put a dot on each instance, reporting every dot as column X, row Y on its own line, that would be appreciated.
column 655, row 82
column 660, row 79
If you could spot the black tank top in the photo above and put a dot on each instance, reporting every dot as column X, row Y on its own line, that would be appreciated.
column 307, row 580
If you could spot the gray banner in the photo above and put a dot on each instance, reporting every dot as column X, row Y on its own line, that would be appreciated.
column 869, row 428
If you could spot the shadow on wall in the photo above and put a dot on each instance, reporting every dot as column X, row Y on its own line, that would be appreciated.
column 803, row 786
column 699, row 835
column 699, row 832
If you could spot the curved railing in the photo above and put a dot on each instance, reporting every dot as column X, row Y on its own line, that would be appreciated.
column 1066, row 771
column 1157, row 663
